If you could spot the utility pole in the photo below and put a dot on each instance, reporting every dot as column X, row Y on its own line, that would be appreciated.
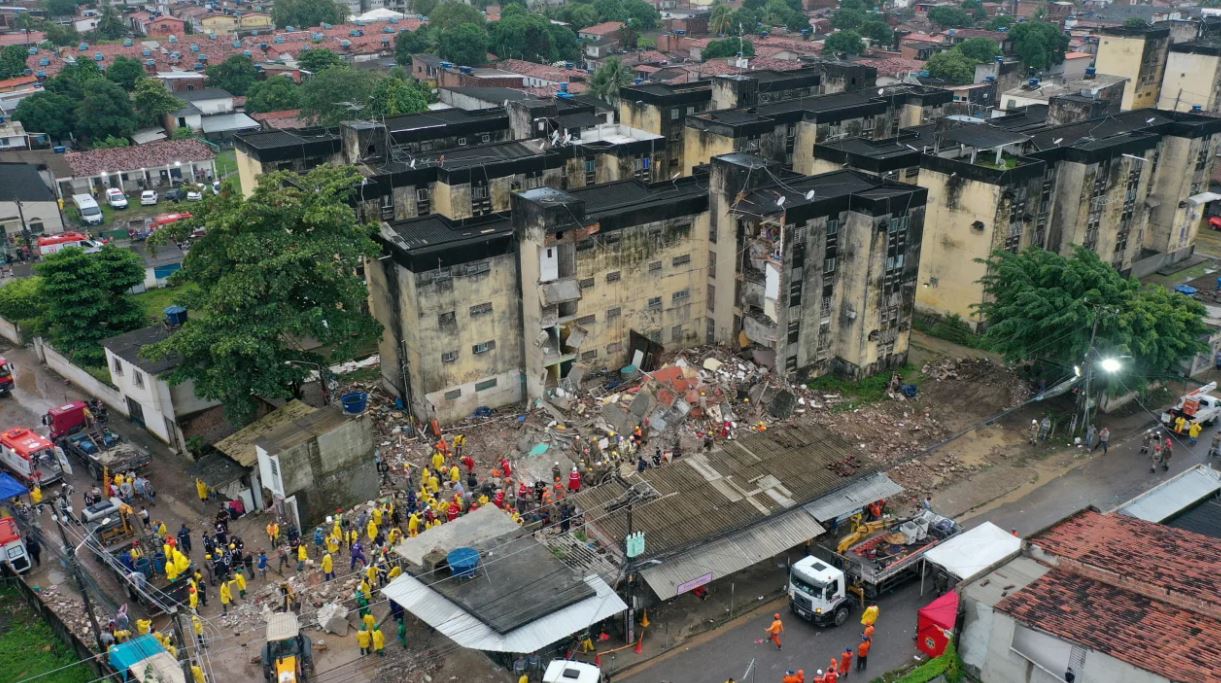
column 631, row 585
column 1089, row 376
column 80, row 583
column 182, row 643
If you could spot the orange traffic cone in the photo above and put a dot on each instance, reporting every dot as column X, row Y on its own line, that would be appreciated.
column 644, row 623
column 640, row 645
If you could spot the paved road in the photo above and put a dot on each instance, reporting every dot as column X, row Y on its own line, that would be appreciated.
column 1104, row 482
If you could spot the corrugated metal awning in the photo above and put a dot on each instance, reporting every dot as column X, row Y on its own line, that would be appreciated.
column 853, row 497
column 720, row 558
column 468, row 631
column 1171, row 497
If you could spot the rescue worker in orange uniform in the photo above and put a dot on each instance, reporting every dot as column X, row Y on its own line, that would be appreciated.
column 775, row 630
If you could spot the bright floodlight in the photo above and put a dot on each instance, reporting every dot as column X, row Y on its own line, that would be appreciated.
column 1110, row 365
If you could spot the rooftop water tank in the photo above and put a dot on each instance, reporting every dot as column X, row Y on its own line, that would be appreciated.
column 175, row 316
column 99, row 57
column 84, row 46
column 127, row 42
column 345, row 44
column 463, row 562
column 466, row 69
column 317, row 37
column 32, row 51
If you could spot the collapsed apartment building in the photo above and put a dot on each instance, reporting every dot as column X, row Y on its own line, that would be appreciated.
column 801, row 217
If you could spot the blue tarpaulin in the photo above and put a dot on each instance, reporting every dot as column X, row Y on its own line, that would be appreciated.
column 124, row 655
column 11, row 488
column 1186, row 289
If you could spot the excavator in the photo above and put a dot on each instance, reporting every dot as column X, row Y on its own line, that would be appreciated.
column 288, row 654
column 861, row 530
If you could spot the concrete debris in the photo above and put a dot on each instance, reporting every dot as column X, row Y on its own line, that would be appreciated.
column 333, row 618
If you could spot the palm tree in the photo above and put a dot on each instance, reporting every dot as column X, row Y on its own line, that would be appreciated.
column 607, row 80
column 720, row 21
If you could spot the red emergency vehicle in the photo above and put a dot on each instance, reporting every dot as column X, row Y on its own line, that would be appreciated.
column 49, row 244
column 12, row 546
column 32, row 456
column 163, row 219
column 66, row 419
column 6, row 376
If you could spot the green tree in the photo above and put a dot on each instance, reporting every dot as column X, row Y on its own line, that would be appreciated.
column 409, row 43
column 1041, row 306
column 21, row 299
column 110, row 25
column 105, row 110
column 87, row 301
column 46, row 112
column 611, row 10
column 565, row 44
column 318, row 59
column 152, row 101
column 976, row 8
column 465, row 44
column 423, row 7
column 719, row 19
column 607, row 80
column 307, row 13
column 946, row 16
column 125, row 71
column 979, row 50
column 848, row 19
column 272, row 269
column 641, row 15
column 878, row 31
column 274, row 94
column 952, row 66
column 182, row 133
column 60, row 8
column 62, row 34
column 337, row 94
column 12, row 61
column 111, row 142
column 1135, row 22
column 780, row 13
column 452, row 14
column 521, row 35
column 395, row 97
column 71, row 80
column 1002, row 22
column 844, row 42
column 581, row 15
column 1038, row 44
column 727, row 47
column 236, row 74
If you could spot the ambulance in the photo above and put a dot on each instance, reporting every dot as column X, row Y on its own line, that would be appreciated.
column 32, row 457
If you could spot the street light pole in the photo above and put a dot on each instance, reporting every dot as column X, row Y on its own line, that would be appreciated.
column 80, row 581
column 1089, row 376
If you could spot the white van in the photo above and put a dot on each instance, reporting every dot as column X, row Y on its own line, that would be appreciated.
column 91, row 213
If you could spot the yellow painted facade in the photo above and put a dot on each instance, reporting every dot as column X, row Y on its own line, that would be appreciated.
column 1191, row 79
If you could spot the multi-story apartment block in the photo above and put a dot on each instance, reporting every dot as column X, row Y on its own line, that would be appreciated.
column 1138, row 54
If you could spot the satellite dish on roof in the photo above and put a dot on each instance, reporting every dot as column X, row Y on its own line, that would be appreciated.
column 809, row 195
column 780, row 201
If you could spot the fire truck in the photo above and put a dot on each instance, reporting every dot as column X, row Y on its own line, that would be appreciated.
column 6, row 377
column 32, row 456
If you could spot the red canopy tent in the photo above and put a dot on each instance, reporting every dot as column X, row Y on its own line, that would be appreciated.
column 935, row 624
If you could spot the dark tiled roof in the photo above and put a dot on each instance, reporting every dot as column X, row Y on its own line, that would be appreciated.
column 21, row 182
column 1144, row 555
column 1151, row 635
column 128, row 345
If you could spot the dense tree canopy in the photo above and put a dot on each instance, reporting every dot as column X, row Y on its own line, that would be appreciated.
column 318, row 59
column 1041, row 306
column 408, row 43
column 728, row 47
column 337, row 94
column 275, row 268
column 12, row 61
column 465, row 44
column 451, row 14
column 1038, row 44
column 521, row 35
column 47, row 112
column 844, row 42
column 848, row 19
column 152, row 101
column 86, row 299
column 979, row 50
column 946, row 16
column 878, row 31
column 307, row 13
column 396, row 96
column 125, row 71
column 274, row 94
column 105, row 110
column 235, row 75
column 110, row 25
column 952, row 66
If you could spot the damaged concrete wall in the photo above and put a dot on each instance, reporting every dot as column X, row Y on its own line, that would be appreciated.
column 1184, row 167
column 331, row 471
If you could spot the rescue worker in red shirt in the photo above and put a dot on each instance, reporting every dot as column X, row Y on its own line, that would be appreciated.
column 574, row 480
column 775, row 630
column 506, row 467
column 469, row 463
column 845, row 662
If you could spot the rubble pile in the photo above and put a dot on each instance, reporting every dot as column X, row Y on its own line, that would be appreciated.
column 68, row 607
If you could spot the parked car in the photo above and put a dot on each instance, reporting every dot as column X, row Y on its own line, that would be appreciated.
column 148, row 198
column 174, row 194
column 116, row 198
column 215, row 187
column 194, row 193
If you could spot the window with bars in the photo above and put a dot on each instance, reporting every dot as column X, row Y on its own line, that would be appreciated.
column 449, row 357
column 447, row 319
column 613, row 276
column 655, row 267
column 681, row 260
column 481, row 309
column 590, row 355
column 586, row 320
column 453, row 394
column 680, row 297
column 586, row 283
column 484, row 347
column 655, row 303
column 485, row 384
column 711, row 300
column 613, row 313
column 614, row 347
column 676, row 333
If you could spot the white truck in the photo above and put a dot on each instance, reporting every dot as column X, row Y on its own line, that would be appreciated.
column 872, row 562
column 1198, row 405
column 568, row 671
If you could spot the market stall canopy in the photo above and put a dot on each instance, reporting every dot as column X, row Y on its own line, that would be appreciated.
column 975, row 551
column 935, row 624
column 11, row 488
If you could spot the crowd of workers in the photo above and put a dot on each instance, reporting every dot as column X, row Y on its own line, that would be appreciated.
column 839, row 667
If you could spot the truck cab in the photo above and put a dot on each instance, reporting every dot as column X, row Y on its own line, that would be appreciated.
column 567, row 671
column 68, row 418
column 1195, row 406
column 818, row 592
column 32, row 456
column 12, row 547
column 6, row 377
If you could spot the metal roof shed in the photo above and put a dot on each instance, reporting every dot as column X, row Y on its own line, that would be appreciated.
column 1174, row 495
column 468, row 631
column 735, row 552
column 974, row 552
column 853, row 497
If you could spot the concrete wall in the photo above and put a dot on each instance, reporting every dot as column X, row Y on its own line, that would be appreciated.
column 699, row 146
column 1184, row 167
column 11, row 332
column 87, row 382
column 1100, row 188
column 331, row 471
column 248, row 171
column 1140, row 59
column 1190, row 79
column 949, row 272
column 46, row 213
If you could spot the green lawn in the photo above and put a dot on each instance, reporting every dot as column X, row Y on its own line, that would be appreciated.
column 28, row 648
column 857, row 393
column 155, row 301
column 226, row 163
